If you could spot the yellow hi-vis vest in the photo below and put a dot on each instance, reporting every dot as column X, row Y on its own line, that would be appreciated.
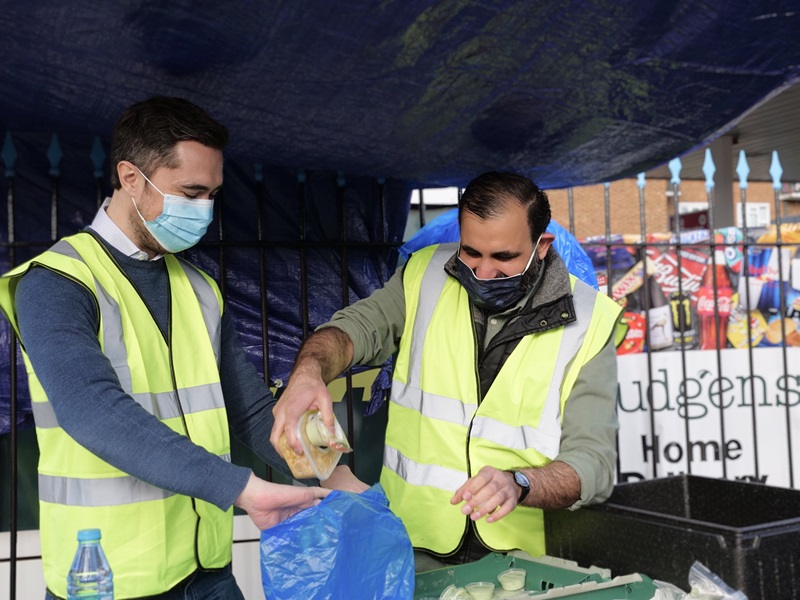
column 153, row 538
column 439, row 434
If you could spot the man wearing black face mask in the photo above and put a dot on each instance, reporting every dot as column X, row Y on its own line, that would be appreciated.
column 504, row 385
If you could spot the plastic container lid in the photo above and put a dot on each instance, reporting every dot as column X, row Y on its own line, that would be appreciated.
column 451, row 592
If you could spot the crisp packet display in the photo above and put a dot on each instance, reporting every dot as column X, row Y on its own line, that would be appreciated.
column 633, row 325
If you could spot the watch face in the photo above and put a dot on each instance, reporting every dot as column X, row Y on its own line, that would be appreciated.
column 522, row 479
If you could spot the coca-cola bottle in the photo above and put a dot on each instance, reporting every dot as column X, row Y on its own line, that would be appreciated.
column 659, row 317
column 713, row 316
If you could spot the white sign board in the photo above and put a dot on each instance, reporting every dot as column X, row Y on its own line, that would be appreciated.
column 734, row 417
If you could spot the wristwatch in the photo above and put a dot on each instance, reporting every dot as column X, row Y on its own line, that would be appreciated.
column 523, row 482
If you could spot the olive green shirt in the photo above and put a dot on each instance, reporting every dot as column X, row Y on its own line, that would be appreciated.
column 589, row 425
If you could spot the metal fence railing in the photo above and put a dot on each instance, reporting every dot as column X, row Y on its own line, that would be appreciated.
column 708, row 342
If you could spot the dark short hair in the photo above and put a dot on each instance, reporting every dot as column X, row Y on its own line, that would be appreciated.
column 486, row 196
column 147, row 132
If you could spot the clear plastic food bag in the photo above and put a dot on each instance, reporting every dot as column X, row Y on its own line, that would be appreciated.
column 704, row 585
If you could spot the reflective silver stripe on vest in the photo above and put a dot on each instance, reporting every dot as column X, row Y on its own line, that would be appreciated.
column 113, row 346
column 583, row 300
column 433, row 281
column 162, row 406
column 416, row 473
column 546, row 437
column 65, row 248
column 209, row 305
column 433, row 406
column 109, row 491
column 542, row 439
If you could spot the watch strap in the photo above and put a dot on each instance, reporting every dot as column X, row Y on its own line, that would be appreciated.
column 524, row 489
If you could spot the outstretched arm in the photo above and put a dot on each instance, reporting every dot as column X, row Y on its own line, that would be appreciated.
column 323, row 356
column 364, row 333
column 268, row 504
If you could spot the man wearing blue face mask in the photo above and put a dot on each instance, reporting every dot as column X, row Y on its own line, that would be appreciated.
column 504, row 386
column 136, row 373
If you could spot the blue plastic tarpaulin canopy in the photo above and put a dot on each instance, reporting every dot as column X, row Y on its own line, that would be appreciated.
column 431, row 93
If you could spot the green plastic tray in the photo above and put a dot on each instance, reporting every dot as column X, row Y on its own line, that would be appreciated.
column 547, row 577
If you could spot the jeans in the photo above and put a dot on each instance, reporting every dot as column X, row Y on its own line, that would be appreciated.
column 200, row 585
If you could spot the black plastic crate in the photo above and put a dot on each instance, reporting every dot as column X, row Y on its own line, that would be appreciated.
column 747, row 533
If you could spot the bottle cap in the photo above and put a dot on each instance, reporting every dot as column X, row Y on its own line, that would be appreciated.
column 88, row 535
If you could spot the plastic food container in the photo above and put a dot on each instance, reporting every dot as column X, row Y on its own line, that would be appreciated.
column 321, row 451
column 451, row 592
column 512, row 579
column 481, row 590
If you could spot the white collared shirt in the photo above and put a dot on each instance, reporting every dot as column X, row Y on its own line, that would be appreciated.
column 111, row 233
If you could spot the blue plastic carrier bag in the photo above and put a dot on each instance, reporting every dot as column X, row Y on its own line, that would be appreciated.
column 348, row 546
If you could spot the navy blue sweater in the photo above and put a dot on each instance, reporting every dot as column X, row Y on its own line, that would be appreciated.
column 58, row 324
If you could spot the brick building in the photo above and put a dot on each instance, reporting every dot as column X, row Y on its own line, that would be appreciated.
column 589, row 205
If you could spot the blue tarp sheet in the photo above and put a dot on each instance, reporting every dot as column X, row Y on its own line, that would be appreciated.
column 569, row 92
column 412, row 92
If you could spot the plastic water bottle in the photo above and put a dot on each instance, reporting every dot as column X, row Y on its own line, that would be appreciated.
column 90, row 576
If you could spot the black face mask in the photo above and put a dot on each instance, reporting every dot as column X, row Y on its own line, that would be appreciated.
column 501, row 292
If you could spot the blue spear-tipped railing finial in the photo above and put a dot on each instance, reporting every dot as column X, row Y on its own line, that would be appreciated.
column 258, row 172
column 709, row 169
column 98, row 156
column 54, row 155
column 9, row 154
column 340, row 178
column 640, row 181
column 742, row 170
column 775, row 171
column 675, row 166
column 301, row 176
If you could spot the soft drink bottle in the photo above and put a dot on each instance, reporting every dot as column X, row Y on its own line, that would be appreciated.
column 90, row 575
column 713, row 316
column 776, row 281
column 684, row 321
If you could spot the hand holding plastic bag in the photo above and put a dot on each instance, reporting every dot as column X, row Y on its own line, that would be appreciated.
column 349, row 545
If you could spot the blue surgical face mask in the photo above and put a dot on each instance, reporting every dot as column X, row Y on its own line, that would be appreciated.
column 182, row 221
column 495, row 294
